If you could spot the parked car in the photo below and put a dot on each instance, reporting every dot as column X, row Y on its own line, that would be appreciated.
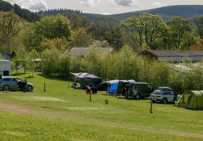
column 164, row 95
column 14, row 84
column 138, row 90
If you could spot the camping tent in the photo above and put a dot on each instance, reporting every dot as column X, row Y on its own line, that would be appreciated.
column 81, row 80
column 115, row 87
column 192, row 100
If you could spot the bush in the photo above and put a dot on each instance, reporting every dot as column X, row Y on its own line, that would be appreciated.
column 54, row 64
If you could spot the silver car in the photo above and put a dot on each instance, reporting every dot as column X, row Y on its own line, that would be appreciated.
column 164, row 95
column 9, row 83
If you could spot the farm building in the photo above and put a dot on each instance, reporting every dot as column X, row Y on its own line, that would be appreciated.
column 173, row 56
column 5, row 67
column 83, row 51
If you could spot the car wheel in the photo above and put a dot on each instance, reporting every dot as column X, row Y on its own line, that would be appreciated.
column 165, row 101
column 29, row 88
column 138, row 96
column 6, row 88
column 126, row 96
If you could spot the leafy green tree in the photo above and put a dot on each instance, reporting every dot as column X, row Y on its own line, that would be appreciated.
column 54, row 27
column 144, row 29
column 134, row 30
column 81, row 37
column 49, row 28
column 58, row 43
column 199, row 23
column 181, row 31
column 9, row 27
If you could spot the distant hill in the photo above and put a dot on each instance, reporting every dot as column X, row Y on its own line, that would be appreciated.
column 187, row 11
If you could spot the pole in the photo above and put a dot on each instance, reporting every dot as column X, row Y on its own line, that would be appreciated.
column 45, row 89
column 90, row 97
column 151, row 106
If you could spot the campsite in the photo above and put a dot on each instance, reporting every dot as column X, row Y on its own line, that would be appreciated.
column 101, row 70
column 67, row 114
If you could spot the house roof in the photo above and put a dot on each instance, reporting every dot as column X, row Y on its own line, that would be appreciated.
column 82, row 51
column 175, row 55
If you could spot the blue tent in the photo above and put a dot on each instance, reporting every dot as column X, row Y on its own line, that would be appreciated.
column 113, row 87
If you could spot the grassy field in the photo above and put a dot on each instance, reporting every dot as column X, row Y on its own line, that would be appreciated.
column 64, row 114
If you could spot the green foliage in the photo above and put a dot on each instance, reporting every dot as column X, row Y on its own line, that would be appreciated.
column 152, row 31
column 199, row 23
column 57, row 43
column 125, row 64
column 9, row 27
column 54, row 64
column 144, row 29
column 81, row 38
column 181, row 33
column 52, row 29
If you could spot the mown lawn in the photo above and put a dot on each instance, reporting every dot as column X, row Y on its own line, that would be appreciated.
column 64, row 114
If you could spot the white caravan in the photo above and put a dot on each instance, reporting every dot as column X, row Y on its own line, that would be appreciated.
column 5, row 67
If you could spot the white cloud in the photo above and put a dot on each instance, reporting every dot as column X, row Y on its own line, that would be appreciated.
column 90, row 2
column 33, row 5
column 158, row 4
column 127, row 3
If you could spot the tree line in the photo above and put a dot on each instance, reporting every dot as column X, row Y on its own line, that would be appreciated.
column 51, row 37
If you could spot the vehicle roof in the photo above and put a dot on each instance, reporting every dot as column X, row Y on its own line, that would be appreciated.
column 4, row 61
column 164, row 88
column 145, row 83
column 5, row 77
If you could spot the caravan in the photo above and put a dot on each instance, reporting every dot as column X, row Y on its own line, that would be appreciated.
column 5, row 67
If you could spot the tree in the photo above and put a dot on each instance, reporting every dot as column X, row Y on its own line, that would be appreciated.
column 54, row 27
column 57, row 43
column 81, row 37
column 181, row 30
column 48, row 28
column 199, row 23
column 154, row 28
column 134, row 29
column 144, row 29
column 9, row 27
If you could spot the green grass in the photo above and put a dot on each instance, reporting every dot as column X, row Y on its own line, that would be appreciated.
column 64, row 114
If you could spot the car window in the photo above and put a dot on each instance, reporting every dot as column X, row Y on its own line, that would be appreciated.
column 6, row 79
column 157, row 92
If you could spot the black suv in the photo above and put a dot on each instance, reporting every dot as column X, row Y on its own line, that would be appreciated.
column 14, row 84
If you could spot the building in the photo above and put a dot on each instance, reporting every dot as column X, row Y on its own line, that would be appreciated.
column 83, row 51
column 5, row 67
column 173, row 56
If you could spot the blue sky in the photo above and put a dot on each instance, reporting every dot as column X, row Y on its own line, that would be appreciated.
column 102, row 6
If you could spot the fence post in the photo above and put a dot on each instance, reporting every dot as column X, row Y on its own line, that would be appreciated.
column 151, row 106
column 45, row 89
column 90, row 97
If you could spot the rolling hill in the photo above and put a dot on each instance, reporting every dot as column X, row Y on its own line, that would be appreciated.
column 187, row 11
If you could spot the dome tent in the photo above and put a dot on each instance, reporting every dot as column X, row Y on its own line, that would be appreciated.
column 192, row 100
